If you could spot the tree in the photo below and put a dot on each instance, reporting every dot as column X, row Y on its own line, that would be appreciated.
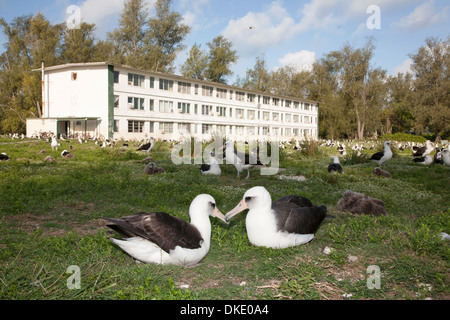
column 257, row 78
column 360, row 85
column 78, row 45
column 30, row 40
column 196, row 64
column 398, row 115
column 165, row 35
column 431, row 66
column 128, row 40
column 221, row 56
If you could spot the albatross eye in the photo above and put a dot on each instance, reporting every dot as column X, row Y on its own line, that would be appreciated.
column 213, row 205
column 248, row 199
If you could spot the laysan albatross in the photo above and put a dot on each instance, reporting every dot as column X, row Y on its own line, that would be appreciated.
column 383, row 156
column 240, row 160
column 147, row 147
column 289, row 221
column 163, row 239
column 335, row 166
column 213, row 166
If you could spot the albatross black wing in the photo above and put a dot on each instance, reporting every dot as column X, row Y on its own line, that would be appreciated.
column 160, row 228
column 144, row 146
column 301, row 220
column 298, row 200
column 377, row 156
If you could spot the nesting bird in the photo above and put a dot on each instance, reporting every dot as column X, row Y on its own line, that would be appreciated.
column 427, row 160
column 147, row 147
column 383, row 156
column 335, row 166
column 289, row 221
column 3, row 157
column 152, row 169
column 424, row 151
column 66, row 154
column 163, row 239
column 213, row 166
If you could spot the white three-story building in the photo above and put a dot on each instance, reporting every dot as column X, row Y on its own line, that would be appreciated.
column 114, row 101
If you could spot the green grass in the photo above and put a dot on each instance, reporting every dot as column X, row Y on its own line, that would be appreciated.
column 50, row 219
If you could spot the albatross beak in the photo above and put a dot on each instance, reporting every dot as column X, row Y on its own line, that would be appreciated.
column 218, row 214
column 239, row 208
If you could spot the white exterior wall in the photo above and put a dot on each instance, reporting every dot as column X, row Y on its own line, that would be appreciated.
column 87, row 96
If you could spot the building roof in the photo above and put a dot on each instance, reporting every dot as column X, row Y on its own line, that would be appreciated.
column 180, row 78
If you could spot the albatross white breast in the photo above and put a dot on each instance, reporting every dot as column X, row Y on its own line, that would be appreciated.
column 213, row 166
column 240, row 160
column 289, row 221
column 164, row 239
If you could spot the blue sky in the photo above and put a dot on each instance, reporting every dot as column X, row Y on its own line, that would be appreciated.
column 287, row 32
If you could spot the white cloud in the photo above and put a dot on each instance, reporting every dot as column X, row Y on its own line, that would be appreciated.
column 262, row 29
column 302, row 60
column 404, row 67
column 423, row 16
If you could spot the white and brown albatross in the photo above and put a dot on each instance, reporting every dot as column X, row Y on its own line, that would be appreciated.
column 163, row 239
column 383, row 156
column 289, row 221
column 240, row 160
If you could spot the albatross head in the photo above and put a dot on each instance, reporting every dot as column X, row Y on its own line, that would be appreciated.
column 205, row 203
column 254, row 198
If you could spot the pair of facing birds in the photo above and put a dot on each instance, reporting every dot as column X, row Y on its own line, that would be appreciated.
column 164, row 239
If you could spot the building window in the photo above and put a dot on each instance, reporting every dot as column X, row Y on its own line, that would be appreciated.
column 184, row 107
column 136, row 103
column 275, row 116
column 265, row 130
column 221, row 111
column 250, row 130
column 251, row 97
column 306, row 106
column 136, row 80
column 205, row 128
column 196, row 89
column 116, row 101
column 165, row 84
column 74, row 76
column 221, row 93
column 306, row 119
column 184, row 128
column 240, row 130
column 296, row 104
column 152, row 82
column 266, row 115
column 240, row 96
column 239, row 113
column 207, row 91
column 152, row 127
column 184, row 87
column 266, row 100
column 152, row 104
column 165, row 106
column 276, row 102
column 296, row 119
column 206, row 110
column 287, row 131
column 251, row 114
column 221, row 129
column 116, row 125
column 196, row 109
column 116, row 76
column 136, row 126
column 288, row 103
column 166, row 127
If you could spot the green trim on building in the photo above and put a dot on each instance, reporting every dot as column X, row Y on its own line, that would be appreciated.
column 110, row 101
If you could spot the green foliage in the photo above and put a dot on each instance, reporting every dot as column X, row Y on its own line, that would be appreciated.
column 403, row 137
